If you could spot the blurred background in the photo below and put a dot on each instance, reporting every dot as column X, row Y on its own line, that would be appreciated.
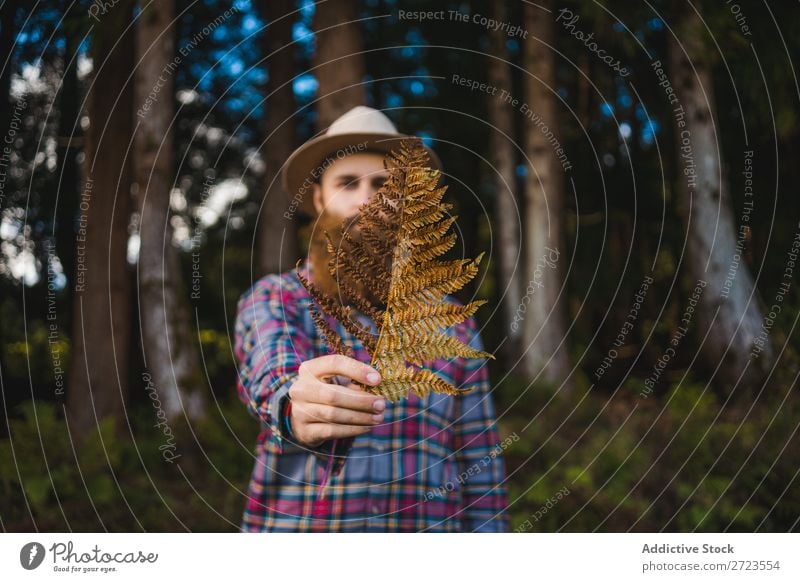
column 630, row 169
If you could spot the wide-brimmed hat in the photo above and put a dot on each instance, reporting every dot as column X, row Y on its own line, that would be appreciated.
column 362, row 129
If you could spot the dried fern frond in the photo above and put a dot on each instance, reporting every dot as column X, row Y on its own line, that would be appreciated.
column 405, row 222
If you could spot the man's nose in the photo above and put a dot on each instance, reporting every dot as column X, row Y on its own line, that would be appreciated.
column 365, row 192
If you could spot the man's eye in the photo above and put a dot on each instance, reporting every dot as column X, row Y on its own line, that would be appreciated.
column 351, row 185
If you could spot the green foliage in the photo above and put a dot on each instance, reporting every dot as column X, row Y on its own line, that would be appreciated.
column 216, row 348
column 39, row 457
column 35, row 346
column 683, row 462
column 122, row 483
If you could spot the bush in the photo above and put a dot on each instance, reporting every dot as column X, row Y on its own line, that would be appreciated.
column 124, row 484
column 682, row 463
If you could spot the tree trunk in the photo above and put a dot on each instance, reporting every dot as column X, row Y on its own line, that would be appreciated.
column 507, row 212
column 98, row 381
column 338, row 60
column 278, row 245
column 8, row 32
column 69, row 144
column 728, row 316
column 168, row 342
column 543, row 310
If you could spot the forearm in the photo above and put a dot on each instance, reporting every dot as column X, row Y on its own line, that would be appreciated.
column 270, row 349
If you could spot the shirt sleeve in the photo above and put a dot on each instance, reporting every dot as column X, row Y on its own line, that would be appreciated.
column 270, row 345
column 478, row 449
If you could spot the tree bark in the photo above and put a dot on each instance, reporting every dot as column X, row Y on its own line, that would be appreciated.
column 169, row 344
column 8, row 32
column 98, row 381
column 338, row 60
column 507, row 211
column 70, row 141
column 543, row 324
column 728, row 316
column 278, row 245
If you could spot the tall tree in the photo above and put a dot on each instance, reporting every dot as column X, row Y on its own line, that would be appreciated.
column 278, row 245
column 8, row 17
column 501, row 118
column 168, row 343
column 728, row 317
column 98, row 381
column 8, row 13
column 543, row 324
column 70, row 141
column 338, row 60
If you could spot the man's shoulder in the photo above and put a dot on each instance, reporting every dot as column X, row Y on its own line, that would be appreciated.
column 285, row 285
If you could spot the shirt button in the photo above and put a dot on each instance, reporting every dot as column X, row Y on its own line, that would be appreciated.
column 375, row 508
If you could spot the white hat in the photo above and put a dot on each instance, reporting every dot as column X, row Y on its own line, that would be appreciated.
column 362, row 129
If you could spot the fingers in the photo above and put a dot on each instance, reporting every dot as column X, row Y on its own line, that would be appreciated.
column 330, row 365
column 348, row 397
column 323, row 410
column 312, row 413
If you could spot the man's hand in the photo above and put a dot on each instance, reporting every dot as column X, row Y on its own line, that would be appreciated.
column 322, row 411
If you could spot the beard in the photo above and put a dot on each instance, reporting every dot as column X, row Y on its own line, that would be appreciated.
column 319, row 258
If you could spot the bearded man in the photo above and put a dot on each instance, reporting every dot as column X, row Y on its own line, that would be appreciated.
column 422, row 464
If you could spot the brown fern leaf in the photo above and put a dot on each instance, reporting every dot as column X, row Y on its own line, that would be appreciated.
column 406, row 225
column 335, row 343
column 431, row 316
column 341, row 313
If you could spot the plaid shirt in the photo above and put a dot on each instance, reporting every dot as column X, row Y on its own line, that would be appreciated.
column 434, row 464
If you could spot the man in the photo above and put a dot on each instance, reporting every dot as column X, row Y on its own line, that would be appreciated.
column 423, row 464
